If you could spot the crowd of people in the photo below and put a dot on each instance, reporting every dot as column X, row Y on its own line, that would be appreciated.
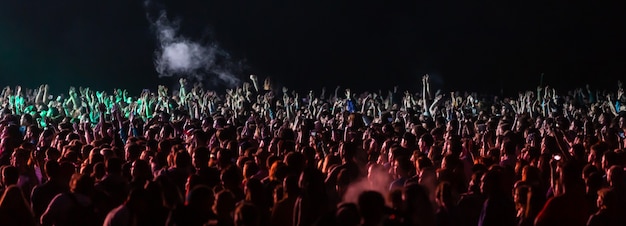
column 260, row 155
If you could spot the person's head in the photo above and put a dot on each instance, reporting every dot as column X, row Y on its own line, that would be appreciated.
column 231, row 177
column 371, row 206
column 113, row 166
column 402, row 167
column 347, row 151
column 615, row 176
column 247, row 214
column 408, row 141
column 182, row 159
column 569, row 175
column 201, row 198
column 295, row 162
column 250, row 168
column 141, row 170
column 596, row 153
column 13, row 200
column 224, row 158
column 531, row 174
column 81, row 184
column 10, row 175
column 520, row 195
column 347, row 214
column 200, row 157
column 20, row 157
column 278, row 171
column 609, row 159
column 52, row 169
column 607, row 199
column 593, row 182
column 98, row 171
column 377, row 175
column 224, row 203
column 133, row 151
column 492, row 183
column 26, row 120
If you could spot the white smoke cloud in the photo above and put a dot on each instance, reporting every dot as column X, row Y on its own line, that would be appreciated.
column 181, row 56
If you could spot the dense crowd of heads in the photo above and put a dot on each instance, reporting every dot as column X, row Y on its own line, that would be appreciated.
column 258, row 155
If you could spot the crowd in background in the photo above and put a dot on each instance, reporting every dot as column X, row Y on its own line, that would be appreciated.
column 260, row 155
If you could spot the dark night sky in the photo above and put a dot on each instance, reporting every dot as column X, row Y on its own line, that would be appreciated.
column 467, row 45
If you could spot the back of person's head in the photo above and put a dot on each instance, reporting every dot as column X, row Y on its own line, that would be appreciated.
column 531, row 174
column 201, row 157
column 609, row 159
column 247, row 214
column 133, row 151
column 250, row 168
column 371, row 206
column 107, row 153
column 594, row 182
column 224, row 157
column 182, row 159
column 408, row 140
column 509, row 148
column 427, row 140
column 416, row 200
column 141, row 170
column 309, row 156
column 200, row 197
column 423, row 162
column 231, row 177
column 10, row 175
column 278, row 171
column 493, row 183
column 347, row 214
column 99, row 170
column 14, row 202
column 81, row 184
column 348, row 150
column 588, row 169
column 114, row 166
column 295, row 162
column 224, row 203
column 570, row 174
column 53, row 169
